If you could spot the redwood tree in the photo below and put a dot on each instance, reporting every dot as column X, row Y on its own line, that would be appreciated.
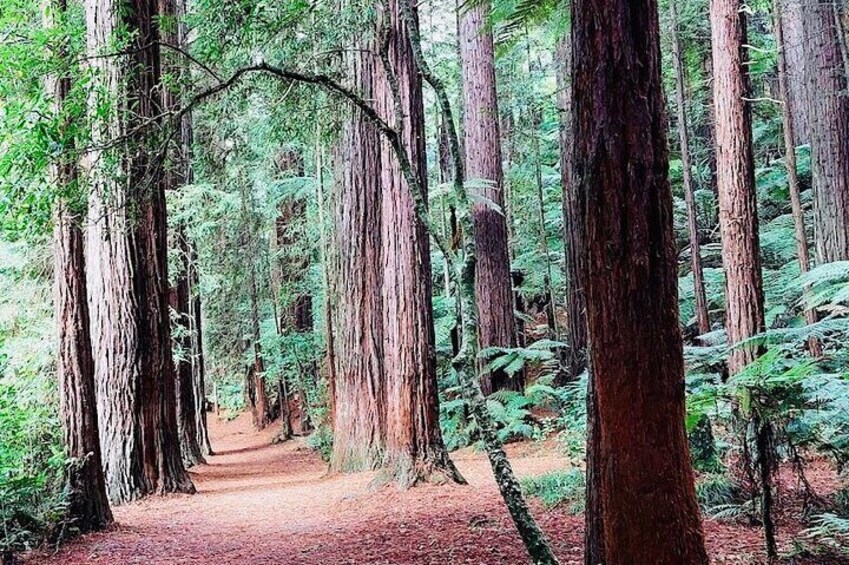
column 483, row 163
column 829, row 125
column 288, row 272
column 793, row 48
column 127, row 267
column 414, row 446
column 176, row 174
column 738, row 210
column 572, row 220
column 645, row 480
column 359, row 412
column 88, row 506
column 789, row 131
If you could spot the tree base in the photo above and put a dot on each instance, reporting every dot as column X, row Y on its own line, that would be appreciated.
column 407, row 471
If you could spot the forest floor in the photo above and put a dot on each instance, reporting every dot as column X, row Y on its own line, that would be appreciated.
column 265, row 503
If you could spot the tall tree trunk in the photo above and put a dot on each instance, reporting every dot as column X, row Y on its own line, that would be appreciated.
column 359, row 388
column 328, row 262
column 187, row 406
column 175, row 175
column 257, row 394
column 630, row 263
column 198, row 367
column 414, row 448
column 787, row 110
column 572, row 220
column 535, row 542
column 795, row 62
column 446, row 173
column 483, row 163
column 292, row 264
column 127, row 267
column 829, row 120
column 692, row 221
column 88, row 506
column 738, row 209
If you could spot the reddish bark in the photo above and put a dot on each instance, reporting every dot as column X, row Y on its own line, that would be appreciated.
column 88, row 505
column 359, row 413
column 738, row 210
column 829, row 124
column 493, row 285
column 644, row 477
column 793, row 47
column 414, row 448
column 572, row 220
column 127, row 270
column 175, row 174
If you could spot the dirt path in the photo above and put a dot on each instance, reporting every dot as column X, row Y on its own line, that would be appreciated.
column 259, row 503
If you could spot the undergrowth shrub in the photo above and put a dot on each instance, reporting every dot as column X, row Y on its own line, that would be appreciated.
column 558, row 488
column 717, row 493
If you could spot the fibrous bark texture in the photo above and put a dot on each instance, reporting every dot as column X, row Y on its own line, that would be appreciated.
column 359, row 413
column 127, row 267
column 829, row 125
column 645, row 482
column 738, row 210
column 414, row 448
column 793, row 45
column 483, row 164
column 572, row 220
column 88, row 506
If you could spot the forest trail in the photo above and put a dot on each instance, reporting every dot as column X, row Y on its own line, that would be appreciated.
column 264, row 503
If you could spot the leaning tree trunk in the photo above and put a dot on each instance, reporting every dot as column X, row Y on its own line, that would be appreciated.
column 414, row 448
column 829, row 122
column 650, row 512
column 88, row 506
column 702, row 315
column 127, row 269
column 738, row 209
column 572, row 220
column 359, row 414
column 494, row 286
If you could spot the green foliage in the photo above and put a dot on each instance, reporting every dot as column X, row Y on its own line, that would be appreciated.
column 321, row 440
column 718, row 493
column 831, row 531
column 558, row 488
column 32, row 501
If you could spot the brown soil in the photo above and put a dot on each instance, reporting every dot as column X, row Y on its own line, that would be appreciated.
column 264, row 503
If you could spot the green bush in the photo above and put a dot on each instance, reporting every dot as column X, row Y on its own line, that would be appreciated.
column 714, row 491
column 32, row 501
column 558, row 488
